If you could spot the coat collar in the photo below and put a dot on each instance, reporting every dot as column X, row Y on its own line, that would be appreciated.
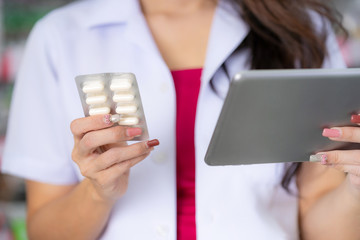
column 227, row 32
column 110, row 12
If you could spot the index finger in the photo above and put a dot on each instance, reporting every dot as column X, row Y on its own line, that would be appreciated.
column 343, row 134
column 81, row 126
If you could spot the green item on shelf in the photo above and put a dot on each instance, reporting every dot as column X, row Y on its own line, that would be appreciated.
column 19, row 16
column 18, row 228
column 18, row 19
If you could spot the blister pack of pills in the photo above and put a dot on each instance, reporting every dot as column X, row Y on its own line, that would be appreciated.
column 113, row 93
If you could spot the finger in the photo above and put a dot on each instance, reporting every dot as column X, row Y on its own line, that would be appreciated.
column 132, row 162
column 354, row 179
column 92, row 140
column 350, row 169
column 135, row 161
column 90, row 167
column 81, row 126
column 350, row 157
column 112, row 173
column 343, row 134
column 120, row 154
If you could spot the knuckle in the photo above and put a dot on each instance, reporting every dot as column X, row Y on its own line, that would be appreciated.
column 74, row 126
column 136, row 151
column 74, row 155
column 84, row 170
column 350, row 134
column 141, row 149
column 356, row 134
column 118, row 133
column 88, row 141
column 336, row 157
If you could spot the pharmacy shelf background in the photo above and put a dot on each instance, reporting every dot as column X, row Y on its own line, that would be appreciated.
column 16, row 20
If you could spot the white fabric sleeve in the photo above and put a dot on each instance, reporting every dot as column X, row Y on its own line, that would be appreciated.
column 35, row 146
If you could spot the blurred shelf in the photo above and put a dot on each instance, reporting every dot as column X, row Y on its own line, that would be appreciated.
column 14, row 210
column 13, row 221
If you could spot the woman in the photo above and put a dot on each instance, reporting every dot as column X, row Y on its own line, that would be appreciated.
column 75, row 192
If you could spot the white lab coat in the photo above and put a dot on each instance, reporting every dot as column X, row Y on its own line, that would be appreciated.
column 236, row 202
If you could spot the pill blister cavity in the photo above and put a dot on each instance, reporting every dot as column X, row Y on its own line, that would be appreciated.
column 126, row 109
column 121, row 84
column 96, row 99
column 93, row 86
column 99, row 110
column 116, row 94
column 123, row 97
column 128, row 121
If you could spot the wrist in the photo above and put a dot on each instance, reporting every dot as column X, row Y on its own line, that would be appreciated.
column 95, row 196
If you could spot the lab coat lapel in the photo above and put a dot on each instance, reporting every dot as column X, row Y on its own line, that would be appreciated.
column 139, row 34
column 158, row 99
column 214, row 185
column 228, row 31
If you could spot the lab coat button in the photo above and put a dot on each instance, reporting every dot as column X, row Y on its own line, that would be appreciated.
column 159, row 157
column 162, row 230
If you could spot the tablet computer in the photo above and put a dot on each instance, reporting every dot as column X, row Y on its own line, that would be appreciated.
column 272, row 116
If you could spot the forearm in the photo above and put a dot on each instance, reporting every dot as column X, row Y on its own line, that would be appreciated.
column 335, row 216
column 77, row 215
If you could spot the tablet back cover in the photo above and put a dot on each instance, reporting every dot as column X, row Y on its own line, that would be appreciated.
column 278, row 115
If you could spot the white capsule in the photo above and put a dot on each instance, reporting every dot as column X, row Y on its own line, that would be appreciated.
column 128, row 121
column 99, row 99
column 93, row 86
column 126, row 109
column 126, row 97
column 121, row 84
column 100, row 110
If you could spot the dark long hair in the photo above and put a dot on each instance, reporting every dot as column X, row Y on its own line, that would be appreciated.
column 283, row 36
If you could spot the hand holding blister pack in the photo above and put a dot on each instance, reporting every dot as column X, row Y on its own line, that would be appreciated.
column 116, row 94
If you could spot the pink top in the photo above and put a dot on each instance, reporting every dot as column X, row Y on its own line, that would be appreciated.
column 187, row 85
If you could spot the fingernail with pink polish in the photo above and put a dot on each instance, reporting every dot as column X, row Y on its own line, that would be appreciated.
column 331, row 133
column 133, row 132
column 322, row 158
column 152, row 143
column 107, row 119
